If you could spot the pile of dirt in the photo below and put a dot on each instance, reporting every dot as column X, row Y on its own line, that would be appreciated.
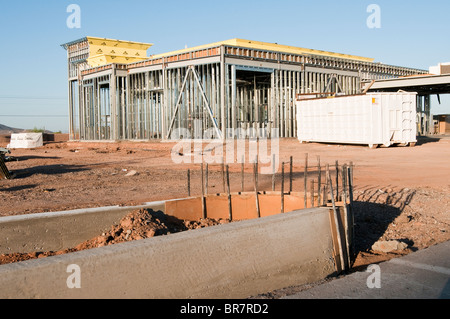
column 137, row 225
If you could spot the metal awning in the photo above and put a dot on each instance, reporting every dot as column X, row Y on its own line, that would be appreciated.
column 423, row 85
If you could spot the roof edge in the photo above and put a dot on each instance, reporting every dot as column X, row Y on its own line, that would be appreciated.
column 66, row 45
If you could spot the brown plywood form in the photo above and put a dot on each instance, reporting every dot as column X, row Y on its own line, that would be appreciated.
column 243, row 206
column 186, row 209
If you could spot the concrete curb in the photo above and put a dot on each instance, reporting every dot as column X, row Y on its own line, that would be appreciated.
column 234, row 260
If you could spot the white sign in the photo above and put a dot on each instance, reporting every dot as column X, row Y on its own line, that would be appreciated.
column 26, row 140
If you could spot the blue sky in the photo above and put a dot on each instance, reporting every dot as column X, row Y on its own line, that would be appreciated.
column 33, row 86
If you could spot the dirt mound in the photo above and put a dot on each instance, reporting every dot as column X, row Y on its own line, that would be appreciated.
column 137, row 225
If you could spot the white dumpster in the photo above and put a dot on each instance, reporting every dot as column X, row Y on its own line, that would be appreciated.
column 372, row 119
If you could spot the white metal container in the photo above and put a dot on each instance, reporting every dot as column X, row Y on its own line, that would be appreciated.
column 372, row 119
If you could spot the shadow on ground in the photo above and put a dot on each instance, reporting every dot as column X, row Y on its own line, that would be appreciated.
column 29, row 157
column 48, row 170
column 374, row 210
column 17, row 188
column 426, row 139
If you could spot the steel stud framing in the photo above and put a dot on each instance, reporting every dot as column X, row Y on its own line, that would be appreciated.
column 204, row 93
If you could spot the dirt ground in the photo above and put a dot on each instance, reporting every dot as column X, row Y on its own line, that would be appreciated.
column 401, row 193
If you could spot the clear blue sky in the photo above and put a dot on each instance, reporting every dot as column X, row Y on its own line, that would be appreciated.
column 34, row 68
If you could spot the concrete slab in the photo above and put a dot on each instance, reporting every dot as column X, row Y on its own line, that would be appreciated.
column 421, row 275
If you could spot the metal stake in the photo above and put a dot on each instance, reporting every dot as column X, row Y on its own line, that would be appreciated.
column 282, row 188
column 273, row 172
column 344, row 184
column 203, row 196
column 229, row 195
column 351, row 217
column 319, row 181
column 290, row 174
column 337, row 181
column 189, row 182
column 306, row 178
column 242, row 174
column 206, row 179
column 324, row 195
column 223, row 174
column 255, row 172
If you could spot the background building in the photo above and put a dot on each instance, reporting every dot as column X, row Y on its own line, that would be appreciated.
column 116, row 92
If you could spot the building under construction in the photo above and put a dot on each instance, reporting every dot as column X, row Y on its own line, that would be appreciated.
column 117, row 92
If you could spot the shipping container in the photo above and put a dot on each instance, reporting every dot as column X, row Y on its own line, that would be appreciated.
column 372, row 119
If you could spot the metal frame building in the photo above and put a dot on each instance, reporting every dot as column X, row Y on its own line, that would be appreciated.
column 235, row 84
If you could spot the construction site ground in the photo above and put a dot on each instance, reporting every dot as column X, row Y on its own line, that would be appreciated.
column 400, row 193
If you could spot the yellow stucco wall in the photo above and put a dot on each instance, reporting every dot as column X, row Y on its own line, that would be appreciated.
column 106, row 51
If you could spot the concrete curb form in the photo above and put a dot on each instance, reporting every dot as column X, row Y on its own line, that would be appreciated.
column 60, row 230
column 234, row 260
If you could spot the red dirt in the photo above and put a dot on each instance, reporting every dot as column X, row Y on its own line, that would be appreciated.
column 401, row 193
